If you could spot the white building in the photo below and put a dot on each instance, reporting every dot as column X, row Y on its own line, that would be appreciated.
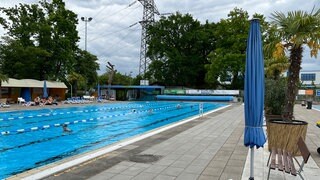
column 310, row 78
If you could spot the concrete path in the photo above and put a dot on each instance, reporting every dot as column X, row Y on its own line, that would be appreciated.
column 311, row 169
column 210, row 147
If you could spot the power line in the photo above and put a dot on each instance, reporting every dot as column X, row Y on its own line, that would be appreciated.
column 96, row 19
column 120, row 40
column 112, row 32
column 113, row 13
column 94, row 16
column 93, row 39
column 118, row 49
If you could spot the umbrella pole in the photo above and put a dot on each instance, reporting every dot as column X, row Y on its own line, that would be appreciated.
column 251, row 163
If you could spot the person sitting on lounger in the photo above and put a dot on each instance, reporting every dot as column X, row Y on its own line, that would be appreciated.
column 50, row 101
column 37, row 101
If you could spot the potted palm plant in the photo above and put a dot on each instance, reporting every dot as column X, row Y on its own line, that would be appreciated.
column 275, row 90
column 296, row 30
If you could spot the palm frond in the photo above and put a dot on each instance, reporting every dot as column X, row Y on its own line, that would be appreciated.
column 298, row 27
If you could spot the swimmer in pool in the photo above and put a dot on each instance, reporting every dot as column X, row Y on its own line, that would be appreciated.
column 65, row 128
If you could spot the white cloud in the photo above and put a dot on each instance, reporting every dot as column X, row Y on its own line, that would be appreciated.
column 111, row 39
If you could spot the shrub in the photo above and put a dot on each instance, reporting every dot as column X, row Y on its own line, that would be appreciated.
column 275, row 96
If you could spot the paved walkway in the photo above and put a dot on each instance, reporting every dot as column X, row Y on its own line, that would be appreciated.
column 210, row 147
column 311, row 169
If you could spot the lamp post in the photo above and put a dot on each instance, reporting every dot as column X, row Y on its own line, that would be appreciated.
column 86, row 20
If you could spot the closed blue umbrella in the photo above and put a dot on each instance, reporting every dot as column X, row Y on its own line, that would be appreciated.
column 254, row 92
column 45, row 91
column 26, row 94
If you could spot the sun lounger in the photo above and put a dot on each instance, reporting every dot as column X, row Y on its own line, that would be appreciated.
column 74, row 100
column 3, row 103
column 101, row 100
column 21, row 100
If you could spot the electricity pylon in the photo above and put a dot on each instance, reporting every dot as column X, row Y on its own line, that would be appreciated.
column 149, row 10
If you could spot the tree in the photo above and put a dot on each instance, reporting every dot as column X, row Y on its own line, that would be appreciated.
column 86, row 65
column 227, row 60
column 296, row 29
column 276, row 62
column 18, row 61
column 3, row 77
column 43, row 37
column 77, row 81
column 274, row 67
column 118, row 79
column 178, row 48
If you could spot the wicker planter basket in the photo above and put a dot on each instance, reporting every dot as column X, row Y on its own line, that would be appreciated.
column 271, row 117
column 285, row 135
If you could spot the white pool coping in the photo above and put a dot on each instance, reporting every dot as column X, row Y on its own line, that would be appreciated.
column 47, row 170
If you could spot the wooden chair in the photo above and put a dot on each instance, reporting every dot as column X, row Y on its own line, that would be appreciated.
column 284, row 160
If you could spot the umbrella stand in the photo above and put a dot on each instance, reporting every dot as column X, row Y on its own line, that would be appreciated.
column 251, row 163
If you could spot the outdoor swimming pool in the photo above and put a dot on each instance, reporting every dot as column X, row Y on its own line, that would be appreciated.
column 316, row 107
column 33, row 138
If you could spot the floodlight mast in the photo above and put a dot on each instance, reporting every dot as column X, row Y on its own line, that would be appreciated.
column 86, row 20
column 149, row 10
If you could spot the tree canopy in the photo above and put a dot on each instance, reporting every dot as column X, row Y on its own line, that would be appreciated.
column 187, row 53
column 227, row 60
column 178, row 49
column 41, row 42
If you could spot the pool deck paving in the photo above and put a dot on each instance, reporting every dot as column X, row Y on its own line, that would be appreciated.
column 209, row 147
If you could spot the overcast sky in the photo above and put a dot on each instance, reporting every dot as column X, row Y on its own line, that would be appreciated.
column 114, row 34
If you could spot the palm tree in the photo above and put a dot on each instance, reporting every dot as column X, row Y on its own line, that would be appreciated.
column 274, row 67
column 296, row 29
column 3, row 77
column 76, row 80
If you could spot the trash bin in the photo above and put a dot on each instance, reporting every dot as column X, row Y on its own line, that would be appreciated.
column 303, row 103
column 309, row 104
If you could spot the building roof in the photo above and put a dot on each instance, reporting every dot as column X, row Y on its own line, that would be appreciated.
column 32, row 83
column 132, row 87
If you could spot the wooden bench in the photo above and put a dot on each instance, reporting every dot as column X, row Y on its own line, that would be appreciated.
column 283, row 161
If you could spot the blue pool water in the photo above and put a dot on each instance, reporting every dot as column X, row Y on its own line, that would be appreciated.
column 317, row 107
column 34, row 138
